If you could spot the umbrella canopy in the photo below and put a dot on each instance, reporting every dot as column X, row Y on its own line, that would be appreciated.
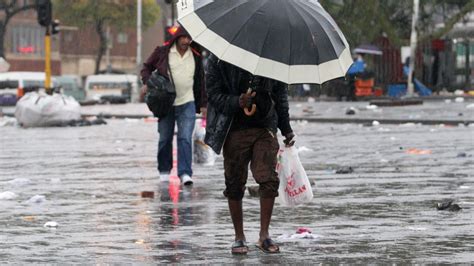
column 293, row 41
column 368, row 49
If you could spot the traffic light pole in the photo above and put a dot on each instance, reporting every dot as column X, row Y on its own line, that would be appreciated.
column 47, row 61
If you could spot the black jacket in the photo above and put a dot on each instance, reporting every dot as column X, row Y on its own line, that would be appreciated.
column 159, row 60
column 222, row 87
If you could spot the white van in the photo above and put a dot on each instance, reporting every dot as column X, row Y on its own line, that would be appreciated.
column 13, row 85
column 110, row 87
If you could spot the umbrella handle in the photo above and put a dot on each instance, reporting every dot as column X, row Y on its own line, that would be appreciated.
column 250, row 112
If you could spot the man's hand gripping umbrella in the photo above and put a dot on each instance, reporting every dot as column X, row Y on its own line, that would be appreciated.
column 245, row 102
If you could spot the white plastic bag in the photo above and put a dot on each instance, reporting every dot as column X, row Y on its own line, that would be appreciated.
column 203, row 154
column 295, row 187
column 38, row 109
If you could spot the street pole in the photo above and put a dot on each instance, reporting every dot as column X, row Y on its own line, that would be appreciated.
column 135, row 92
column 173, row 15
column 468, row 66
column 107, row 51
column 413, row 40
column 47, row 62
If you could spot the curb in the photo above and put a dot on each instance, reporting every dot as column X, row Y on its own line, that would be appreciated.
column 382, row 121
column 333, row 120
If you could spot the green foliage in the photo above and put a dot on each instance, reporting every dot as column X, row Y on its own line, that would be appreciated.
column 362, row 21
column 118, row 13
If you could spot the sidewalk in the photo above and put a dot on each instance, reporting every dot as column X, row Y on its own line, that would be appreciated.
column 446, row 111
column 430, row 112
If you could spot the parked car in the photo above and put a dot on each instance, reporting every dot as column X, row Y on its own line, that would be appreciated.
column 110, row 88
column 71, row 85
column 13, row 85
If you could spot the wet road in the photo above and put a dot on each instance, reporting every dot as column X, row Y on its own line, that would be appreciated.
column 91, row 179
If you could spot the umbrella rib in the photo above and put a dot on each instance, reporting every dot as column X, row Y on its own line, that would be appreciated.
column 241, row 28
column 264, row 41
column 266, row 2
column 332, row 22
column 327, row 34
column 289, row 63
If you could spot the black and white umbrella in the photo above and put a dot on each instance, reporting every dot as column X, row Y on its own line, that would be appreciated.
column 294, row 41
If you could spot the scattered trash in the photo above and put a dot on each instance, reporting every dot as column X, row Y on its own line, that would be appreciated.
column 7, row 195
column 7, row 121
column 203, row 154
column 447, row 101
column 308, row 110
column 351, row 111
column 470, row 106
column 51, row 224
column 460, row 114
column 253, row 191
column 371, row 107
column 140, row 242
column 147, row 194
column 304, row 149
column 464, row 187
column 38, row 109
column 393, row 138
column 301, row 233
column 301, row 122
column 19, row 181
column 418, row 151
column 375, row 123
column 29, row 218
column 417, row 228
column 383, row 160
column 461, row 155
column 459, row 100
column 79, row 123
column 311, row 100
column 303, row 230
column 150, row 119
column 299, row 105
column 37, row 199
column 345, row 170
column 408, row 125
column 448, row 205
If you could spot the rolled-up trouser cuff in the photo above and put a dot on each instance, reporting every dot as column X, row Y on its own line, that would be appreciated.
column 234, row 194
column 268, row 190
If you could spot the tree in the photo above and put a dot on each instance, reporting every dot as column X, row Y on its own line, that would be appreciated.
column 364, row 21
column 99, row 14
column 8, row 9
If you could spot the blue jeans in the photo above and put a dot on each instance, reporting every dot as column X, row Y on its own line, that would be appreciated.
column 185, row 116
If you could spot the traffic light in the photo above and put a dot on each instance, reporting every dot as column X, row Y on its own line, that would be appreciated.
column 55, row 28
column 170, row 31
column 44, row 9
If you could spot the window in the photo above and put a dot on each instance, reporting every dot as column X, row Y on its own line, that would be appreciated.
column 27, row 39
column 122, row 37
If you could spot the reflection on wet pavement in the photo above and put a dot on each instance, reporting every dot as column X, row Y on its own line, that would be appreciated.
column 91, row 179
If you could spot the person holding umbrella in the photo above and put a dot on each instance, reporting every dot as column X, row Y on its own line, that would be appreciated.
column 258, row 46
column 247, row 139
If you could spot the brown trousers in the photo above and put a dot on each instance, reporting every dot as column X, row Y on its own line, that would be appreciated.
column 258, row 146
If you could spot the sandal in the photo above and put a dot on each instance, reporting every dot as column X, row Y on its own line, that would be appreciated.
column 266, row 246
column 239, row 247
